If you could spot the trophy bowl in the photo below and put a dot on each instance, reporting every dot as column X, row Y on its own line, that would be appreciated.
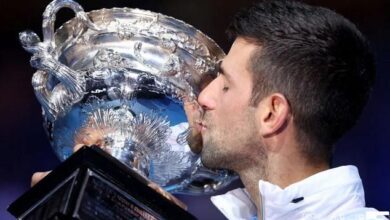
column 118, row 78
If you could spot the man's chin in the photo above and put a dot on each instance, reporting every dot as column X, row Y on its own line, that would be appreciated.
column 208, row 165
column 210, row 162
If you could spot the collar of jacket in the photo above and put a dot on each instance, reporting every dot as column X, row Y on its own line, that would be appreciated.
column 324, row 195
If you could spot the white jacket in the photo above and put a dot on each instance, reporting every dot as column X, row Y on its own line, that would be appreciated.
column 334, row 194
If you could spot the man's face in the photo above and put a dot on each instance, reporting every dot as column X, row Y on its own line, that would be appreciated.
column 229, row 131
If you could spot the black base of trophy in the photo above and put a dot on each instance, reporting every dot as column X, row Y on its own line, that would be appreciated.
column 91, row 184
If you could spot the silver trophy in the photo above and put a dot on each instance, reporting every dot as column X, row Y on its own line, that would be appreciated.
column 117, row 78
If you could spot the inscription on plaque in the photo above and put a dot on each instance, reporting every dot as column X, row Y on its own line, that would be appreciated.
column 102, row 200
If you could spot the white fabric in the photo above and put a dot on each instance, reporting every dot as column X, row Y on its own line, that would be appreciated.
column 334, row 194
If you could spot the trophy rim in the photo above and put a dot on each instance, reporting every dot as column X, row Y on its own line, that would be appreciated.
column 179, row 25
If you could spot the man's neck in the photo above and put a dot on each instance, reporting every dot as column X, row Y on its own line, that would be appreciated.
column 280, row 173
column 250, row 178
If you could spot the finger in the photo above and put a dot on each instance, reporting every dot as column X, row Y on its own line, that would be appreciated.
column 38, row 176
column 77, row 147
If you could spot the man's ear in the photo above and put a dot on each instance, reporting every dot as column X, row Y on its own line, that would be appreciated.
column 272, row 114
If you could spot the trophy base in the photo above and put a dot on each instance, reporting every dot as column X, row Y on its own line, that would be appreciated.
column 91, row 184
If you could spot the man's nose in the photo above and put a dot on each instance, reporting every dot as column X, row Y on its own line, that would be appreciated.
column 207, row 98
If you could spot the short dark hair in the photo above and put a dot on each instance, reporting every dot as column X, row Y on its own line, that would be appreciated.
column 315, row 57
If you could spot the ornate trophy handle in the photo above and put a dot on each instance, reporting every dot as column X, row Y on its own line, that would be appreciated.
column 49, row 17
column 71, row 86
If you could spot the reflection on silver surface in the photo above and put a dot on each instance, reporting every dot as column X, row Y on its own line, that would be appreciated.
column 118, row 78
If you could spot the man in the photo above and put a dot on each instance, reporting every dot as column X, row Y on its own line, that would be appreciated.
column 294, row 81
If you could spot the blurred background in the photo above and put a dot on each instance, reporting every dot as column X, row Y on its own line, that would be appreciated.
column 24, row 145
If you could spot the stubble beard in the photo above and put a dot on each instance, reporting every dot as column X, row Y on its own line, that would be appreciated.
column 232, row 147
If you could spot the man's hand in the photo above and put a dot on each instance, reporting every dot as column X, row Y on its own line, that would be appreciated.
column 38, row 176
column 87, row 137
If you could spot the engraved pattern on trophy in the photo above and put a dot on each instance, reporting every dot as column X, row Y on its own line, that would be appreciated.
column 118, row 78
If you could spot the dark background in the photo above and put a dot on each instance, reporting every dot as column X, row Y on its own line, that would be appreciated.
column 25, row 148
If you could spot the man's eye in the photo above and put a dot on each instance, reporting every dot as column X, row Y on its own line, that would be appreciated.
column 225, row 88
